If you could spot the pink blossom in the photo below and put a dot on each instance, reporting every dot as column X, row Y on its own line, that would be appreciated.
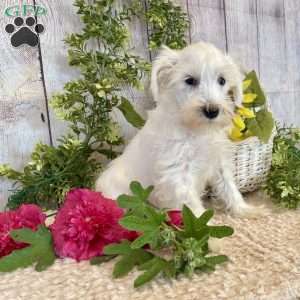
column 86, row 223
column 175, row 217
column 26, row 216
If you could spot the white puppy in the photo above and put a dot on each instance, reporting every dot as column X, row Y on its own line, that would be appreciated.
column 184, row 147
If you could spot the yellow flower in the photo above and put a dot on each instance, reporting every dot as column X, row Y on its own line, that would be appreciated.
column 239, row 122
column 245, row 112
column 249, row 98
column 236, row 134
column 246, row 84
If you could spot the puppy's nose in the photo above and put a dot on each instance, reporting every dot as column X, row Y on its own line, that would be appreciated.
column 210, row 111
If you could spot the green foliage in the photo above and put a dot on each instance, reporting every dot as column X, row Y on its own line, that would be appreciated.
column 130, row 257
column 283, row 182
column 168, row 24
column 51, row 173
column 130, row 114
column 263, row 123
column 187, row 246
column 101, row 54
column 255, row 88
column 39, row 252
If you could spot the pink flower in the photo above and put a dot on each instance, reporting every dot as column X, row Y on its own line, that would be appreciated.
column 175, row 217
column 27, row 215
column 86, row 223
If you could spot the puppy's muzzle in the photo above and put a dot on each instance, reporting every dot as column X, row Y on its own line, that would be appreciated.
column 210, row 111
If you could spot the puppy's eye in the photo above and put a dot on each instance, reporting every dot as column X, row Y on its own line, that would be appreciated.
column 221, row 80
column 191, row 81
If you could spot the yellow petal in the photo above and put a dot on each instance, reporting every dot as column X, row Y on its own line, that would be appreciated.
column 245, row 112
column 239, row 122
column 249, row 98
column 236, row 134
column 246, row 84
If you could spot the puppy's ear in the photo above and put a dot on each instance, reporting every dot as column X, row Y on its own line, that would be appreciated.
column 161, row 69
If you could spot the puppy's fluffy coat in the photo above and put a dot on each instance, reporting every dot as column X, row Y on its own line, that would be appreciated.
column 184, row 145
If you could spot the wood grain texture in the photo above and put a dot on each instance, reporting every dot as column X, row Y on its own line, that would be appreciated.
column 60, row 21
column 272, row 46
column 207, row 22
column 292, row 35
column 241, row 32
column 274, row 71
column 21, row 102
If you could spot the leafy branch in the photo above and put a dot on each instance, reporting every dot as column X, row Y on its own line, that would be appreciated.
column 283, row 182
column 167, row 23
column 187, row 246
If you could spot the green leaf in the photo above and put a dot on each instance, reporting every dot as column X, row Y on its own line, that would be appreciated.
column 155, row 215
column 220, row 231
column 157, row 266
column 138, row 224
column 124, row 266
column 262, row 125
column 98, row 260
column 136, row 188
column 205, row 217
column 126, row 201
column 118, row 249
column 129, row 261
column 139, row 191
column 215, row 260
column 144, row 239
column 170, row 270
column 39, row 252
column 255, row 88
column 189, row 221
column 146, row 265
column 193, row 226
column 130, row 114
column 136, row 203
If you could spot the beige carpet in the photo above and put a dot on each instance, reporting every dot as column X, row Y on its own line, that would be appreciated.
column 265, row 264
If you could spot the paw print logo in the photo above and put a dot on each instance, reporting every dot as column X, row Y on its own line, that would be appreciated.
column 24, row 31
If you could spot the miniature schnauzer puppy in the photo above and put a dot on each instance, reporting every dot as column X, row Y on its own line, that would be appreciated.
column 184, row 146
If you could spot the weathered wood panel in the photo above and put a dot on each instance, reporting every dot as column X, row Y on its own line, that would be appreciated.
column 273, row 57
column 207, row 21
column 60, row 21
column 22, row 102
column 241, row 32
column 292, row 35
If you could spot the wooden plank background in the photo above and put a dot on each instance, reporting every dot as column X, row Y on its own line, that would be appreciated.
column 261, row 35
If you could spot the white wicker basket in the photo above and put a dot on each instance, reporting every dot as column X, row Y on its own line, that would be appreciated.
column 252, row 161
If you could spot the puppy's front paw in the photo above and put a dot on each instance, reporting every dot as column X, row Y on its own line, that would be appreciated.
column 250, row 211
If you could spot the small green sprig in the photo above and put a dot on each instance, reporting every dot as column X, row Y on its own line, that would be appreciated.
column 187, row 246
column 283, row 182
column 167, row 23
column 51, row 173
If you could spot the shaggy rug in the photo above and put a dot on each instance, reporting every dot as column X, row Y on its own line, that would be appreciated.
column 264, row 264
